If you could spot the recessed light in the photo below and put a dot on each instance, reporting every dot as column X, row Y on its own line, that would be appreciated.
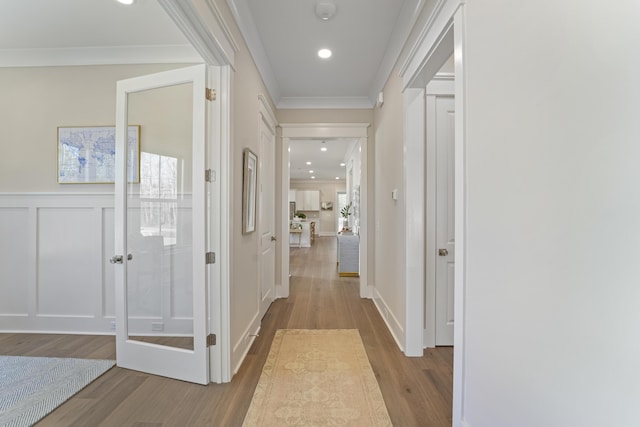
column 127, row 2
column 323, row 149
column 308, row 163
column 324, row 53
column 310, row 171
column 313, row 177
column 343, row 164
column 337, row 177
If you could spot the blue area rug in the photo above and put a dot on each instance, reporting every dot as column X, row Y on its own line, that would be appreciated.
column 31, row 387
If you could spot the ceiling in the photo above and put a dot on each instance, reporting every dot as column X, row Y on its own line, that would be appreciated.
column 82, row 32
column 324, row 164
column 366, row 37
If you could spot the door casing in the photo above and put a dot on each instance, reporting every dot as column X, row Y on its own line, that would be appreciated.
column 441, row 85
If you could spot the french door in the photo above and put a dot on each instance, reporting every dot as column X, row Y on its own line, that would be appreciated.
column 160, row 225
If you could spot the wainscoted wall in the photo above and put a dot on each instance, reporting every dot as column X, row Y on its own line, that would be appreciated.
column 55, row 274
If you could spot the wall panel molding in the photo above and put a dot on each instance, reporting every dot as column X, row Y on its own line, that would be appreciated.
column 54, row 264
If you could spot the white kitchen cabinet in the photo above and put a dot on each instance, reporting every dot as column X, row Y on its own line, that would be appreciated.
column 312, row 200
column 307, row 200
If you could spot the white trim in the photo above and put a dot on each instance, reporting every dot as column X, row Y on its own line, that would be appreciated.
column 326, row 130
column 204, row 26
column 394, row 326
column 443, row 34
column 110, row 55
column 444, row 86
column 420, row 55
column 337, row 102
column 244, row 19
column 217, row 137
column 282, row 291
column 404, row 24
column 267, row 113
column 246, row 340
column 460, row 217
column 266, row 117
column 414, row 181
column 226, row 222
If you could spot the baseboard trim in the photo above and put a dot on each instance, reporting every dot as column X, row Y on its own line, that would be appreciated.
column 395, row 328
column 247, row 339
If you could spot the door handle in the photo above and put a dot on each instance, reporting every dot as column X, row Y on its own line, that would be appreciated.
column 117, row 259
column 443, row 252
column 273, row 238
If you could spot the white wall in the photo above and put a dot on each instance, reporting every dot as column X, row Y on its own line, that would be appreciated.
column 553, row 214
column 389, row 293
column 246, row 86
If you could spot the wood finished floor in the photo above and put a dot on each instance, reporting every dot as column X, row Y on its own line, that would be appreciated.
column 417, row 391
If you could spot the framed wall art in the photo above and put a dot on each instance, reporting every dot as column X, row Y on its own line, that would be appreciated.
column 87, row 155
column 249, row 183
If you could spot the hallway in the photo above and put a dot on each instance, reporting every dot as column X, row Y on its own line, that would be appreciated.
column 417, row 391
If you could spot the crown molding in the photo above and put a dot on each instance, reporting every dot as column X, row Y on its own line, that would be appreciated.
column 244, row 19
column 337, row 102
column 432, row 33
column 99, row 56
column 206, row 29
column 324, row 130
column 408, row 17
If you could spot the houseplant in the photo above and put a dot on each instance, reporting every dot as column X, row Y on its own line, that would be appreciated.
column 344, row 213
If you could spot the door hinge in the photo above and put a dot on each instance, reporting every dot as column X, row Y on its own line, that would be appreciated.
column 209, row 175
column 210, row 94
column 211, row 258
column 211, row 340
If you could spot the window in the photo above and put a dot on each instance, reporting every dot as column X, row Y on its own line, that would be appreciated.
column 158, row 196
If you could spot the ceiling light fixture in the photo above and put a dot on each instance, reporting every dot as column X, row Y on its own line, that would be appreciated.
column 308, row 163
column 127, row 2
column 325, row 10
column 343, row 164
column 313, row 177
column 310, row 171
column 323, row 149
column 324, row 53
column 337, row 177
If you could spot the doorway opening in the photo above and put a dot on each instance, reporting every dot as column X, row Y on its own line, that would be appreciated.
column 357, row 132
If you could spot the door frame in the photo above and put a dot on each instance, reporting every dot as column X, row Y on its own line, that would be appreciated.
column 322, row 130
column 441, row 35
column 267, row 116
column 441, row 85
column 206, row 30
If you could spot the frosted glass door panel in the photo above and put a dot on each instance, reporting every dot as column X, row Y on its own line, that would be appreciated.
column 159, row 219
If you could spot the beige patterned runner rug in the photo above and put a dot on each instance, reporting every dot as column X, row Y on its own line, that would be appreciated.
column 317, row 378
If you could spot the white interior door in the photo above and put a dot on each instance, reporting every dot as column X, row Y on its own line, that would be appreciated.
column 445, row 230
column 267, row 205
column 160, row 238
